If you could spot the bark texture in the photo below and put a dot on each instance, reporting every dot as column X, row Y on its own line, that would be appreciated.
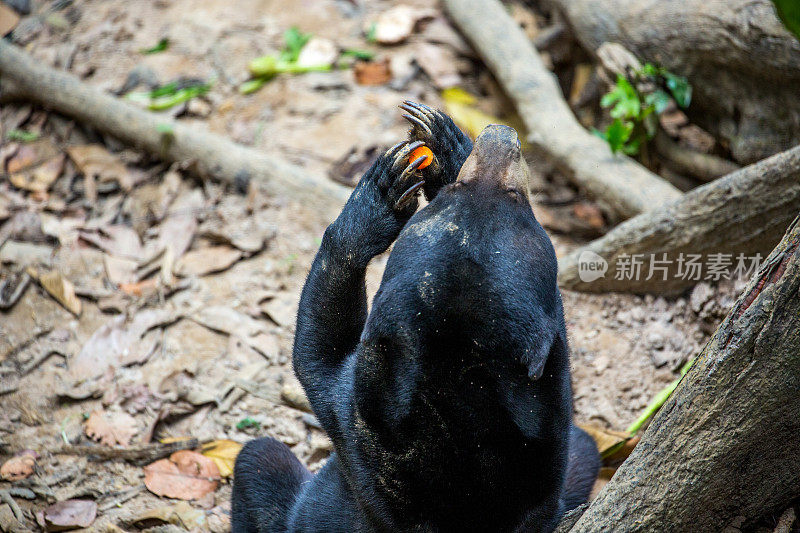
column 624, row 187
column 745, row 212
column 724, row 449
column 743, row 65
column 213, row 156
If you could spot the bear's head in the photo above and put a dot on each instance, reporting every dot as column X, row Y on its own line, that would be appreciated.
column 473, row 270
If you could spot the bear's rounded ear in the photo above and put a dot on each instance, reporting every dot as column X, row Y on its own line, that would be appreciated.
column 548, row 339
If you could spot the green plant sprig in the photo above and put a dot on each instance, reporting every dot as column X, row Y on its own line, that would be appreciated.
column 635, row 113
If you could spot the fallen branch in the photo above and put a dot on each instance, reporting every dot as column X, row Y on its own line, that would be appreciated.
column 723, row 450
column 744, row 212
column 214, row 156
column 705, row 167
column 138, row 455
column 622, row 185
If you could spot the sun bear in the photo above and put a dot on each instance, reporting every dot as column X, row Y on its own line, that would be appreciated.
column 449, row 402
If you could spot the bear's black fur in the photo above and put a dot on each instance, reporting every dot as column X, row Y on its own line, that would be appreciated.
column 449, row 404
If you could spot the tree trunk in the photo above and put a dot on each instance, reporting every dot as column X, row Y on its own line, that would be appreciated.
column 621, row 185
column 744, row 212
column 743, row 65
column 724, row 449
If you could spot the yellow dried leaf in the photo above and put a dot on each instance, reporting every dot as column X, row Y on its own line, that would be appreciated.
column 223, row 453
column 62, row 290
column 607, row 441
column 460, row 105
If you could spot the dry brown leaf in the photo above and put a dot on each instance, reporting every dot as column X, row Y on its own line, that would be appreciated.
column 25, row 253
column 139, row 288
column 439, row 63
column 118, row 343
column 70, row 514
column 186, row 475
column 282, row 309
column 111, row 429
column 18, row 467
column 223, row 453
column 8, row 20
column 41, row 177
column 119, row 240
column 372, row 73
column 180, row 514
column 61, row 289
column 294, row 396
column 607, row 441
column 207, row 260
column 119, row 270
column 95, row 161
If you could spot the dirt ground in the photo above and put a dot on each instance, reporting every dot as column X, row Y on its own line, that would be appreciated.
column 207, row 338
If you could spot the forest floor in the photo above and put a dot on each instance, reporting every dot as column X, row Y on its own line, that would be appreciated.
column 146, row 361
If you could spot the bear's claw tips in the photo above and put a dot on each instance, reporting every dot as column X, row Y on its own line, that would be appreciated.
column 419, row 108
column 417, row 122
column 393, row 150
column 408, row 195
column 414, row 165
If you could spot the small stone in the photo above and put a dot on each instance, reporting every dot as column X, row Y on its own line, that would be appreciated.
column 600, row 364
column 656, row 340
column 198, row 107
column 701, row 294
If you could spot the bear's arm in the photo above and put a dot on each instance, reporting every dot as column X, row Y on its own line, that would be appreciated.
column 333, row 305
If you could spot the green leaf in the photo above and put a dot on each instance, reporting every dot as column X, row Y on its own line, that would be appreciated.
column 624, row 98
column 372, row 33
column 251, row 86
column 617, row 134
column 164, row 90
column 172, row 94
column 789, row 13
column 680, row 89
column 165, row 129
column 365, row 55
column 22, row 136
column 248, row 423
column 650, row 69
column 295, row 41
column 162, row 45
column 659, row 100
column 632, row 147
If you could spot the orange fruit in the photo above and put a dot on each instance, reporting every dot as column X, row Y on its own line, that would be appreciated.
column 419, row 152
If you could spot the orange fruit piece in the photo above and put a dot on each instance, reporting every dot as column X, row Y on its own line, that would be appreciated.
column 419, row 152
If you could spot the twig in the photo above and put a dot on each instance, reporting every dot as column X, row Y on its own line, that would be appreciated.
column 6, row 497
column 138, row 455
column 20, row 492
column 623, row 186
column 123, row 497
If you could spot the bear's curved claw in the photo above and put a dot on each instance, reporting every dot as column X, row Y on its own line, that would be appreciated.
column 418, row 123
column 407, row 173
